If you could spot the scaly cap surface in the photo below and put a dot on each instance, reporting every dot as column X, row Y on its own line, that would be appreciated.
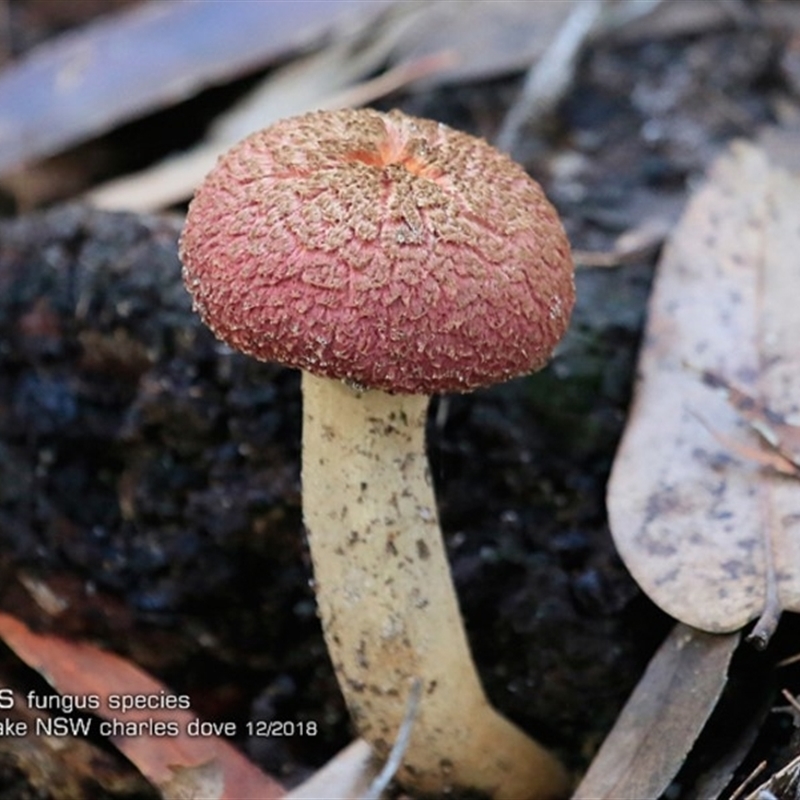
column 388, row 251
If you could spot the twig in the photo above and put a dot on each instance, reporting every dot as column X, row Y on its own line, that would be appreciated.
column 748, row 780
column 793, row 702
column 639, row 243
column 395, row 758
column 788, row 661
column 551, row 77
column 770, row 616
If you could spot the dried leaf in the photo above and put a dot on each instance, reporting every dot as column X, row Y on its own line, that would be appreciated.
column 661, row 721
column 347, row 776
column 79, row 86
column 489, row 38
column 713, row 538
column 147, row 57
column 333, row 77
column 180, row 765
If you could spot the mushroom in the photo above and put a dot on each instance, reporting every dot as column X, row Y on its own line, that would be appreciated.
column 389, row 258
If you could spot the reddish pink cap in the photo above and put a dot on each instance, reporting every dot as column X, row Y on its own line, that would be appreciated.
column 388, row 251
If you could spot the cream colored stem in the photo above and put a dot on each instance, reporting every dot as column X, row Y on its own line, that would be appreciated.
column 387, row 603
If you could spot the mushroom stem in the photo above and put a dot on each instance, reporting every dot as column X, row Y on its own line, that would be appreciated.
column 387, row 603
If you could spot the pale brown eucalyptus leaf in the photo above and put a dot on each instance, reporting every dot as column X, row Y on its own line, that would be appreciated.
column 699, row 512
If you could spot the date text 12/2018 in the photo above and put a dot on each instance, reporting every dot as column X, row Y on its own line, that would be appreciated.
column 267, row 728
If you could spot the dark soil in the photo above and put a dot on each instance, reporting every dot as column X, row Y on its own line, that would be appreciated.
column 149, row 477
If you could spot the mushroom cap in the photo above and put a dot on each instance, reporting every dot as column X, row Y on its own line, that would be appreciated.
column 388, row 251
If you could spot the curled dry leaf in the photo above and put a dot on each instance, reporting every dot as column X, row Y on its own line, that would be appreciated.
column 698, row 509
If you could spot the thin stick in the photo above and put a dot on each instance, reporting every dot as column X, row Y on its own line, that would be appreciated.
column 549, row 79
column 748, row 780
column 788, row 661
column 791, row 699
column 398, row 750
